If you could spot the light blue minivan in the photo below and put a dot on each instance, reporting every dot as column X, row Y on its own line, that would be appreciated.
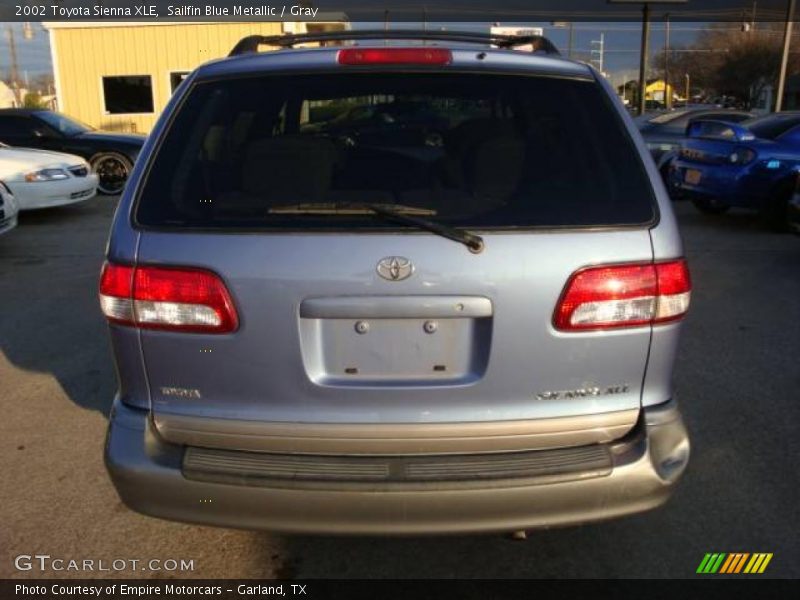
column 394, row 286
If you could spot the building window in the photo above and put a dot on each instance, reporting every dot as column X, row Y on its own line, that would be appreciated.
column 128, row 94
column 175, row 79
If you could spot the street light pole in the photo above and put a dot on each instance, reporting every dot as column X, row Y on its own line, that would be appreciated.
column 787, row 38
column 687, row 89
column 643, row 57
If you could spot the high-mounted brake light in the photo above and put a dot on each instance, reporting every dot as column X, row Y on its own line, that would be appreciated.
column 394, row 56
column 631, row 295
column 190, row 300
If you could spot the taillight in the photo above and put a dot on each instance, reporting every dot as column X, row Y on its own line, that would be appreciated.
column 741, row 156
column 632, row 295
column 394, row 56
column 190, row 300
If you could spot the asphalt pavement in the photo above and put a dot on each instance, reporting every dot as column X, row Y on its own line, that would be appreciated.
column 737, row 378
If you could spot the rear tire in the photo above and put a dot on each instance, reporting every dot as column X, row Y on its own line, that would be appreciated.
column 775, row 213
column 709, row 207
column 113, row 170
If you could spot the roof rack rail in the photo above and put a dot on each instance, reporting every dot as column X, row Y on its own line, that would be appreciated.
column 251, row 43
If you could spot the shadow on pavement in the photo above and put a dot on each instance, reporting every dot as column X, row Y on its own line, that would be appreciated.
column 50, row 321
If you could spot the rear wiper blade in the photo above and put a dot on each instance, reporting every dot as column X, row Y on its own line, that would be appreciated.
column 344, row 208
column 400, row 213
column 474, row 243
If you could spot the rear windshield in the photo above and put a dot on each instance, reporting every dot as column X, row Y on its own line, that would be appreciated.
column 772, row 126
column 485, row 151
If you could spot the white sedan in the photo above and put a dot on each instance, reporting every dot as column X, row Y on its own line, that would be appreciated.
column 8, row 209
column 43, row 179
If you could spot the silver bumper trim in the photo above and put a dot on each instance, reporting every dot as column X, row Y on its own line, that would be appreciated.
column 371, row 439
column 147, row 473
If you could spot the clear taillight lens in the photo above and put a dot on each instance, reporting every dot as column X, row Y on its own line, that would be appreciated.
column 631, row 295
column 189, row 300
column 741, row 156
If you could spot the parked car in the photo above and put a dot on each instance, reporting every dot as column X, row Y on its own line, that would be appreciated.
column 664, row 131
column 747, row 165
column 389, row 123
column 40, row 179
column 8, row 209
column 312, row 336
column 111, row 155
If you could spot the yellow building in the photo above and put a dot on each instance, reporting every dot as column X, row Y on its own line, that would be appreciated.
column 119, row 76
column 654, row 90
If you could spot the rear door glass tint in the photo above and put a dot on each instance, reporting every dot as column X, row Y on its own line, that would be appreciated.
column 479, row 151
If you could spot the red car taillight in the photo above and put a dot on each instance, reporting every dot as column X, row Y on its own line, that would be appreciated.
column 632, row 295
column 190, row 300
column 394, row 56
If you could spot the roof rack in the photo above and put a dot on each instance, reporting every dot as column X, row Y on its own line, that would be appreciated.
column 251, row 43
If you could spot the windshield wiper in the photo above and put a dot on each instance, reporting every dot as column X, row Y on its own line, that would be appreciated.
column 399, row 213
column 474, row 243
column 344, row 208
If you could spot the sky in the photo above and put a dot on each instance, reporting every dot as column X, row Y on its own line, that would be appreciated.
column 621, row 48
column 33, row 55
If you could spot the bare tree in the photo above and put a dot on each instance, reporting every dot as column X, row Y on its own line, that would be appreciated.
column 726, row 61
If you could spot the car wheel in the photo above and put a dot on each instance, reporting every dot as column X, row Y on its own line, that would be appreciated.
column 709, row 206
column 775, row 213
column 664, row 170
column 112, row 171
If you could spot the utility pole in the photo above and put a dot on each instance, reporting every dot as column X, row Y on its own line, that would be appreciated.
column 569, row 47
column 667, row 92
column 601, row 48
column 787, row 39
column 687, row 89
column 643, row 58
column 14, row 74
column 570, row 25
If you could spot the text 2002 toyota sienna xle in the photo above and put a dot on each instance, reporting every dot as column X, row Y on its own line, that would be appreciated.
column 394, row 289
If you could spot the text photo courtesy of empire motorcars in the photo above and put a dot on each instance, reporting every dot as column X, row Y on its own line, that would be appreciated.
column 343, row 299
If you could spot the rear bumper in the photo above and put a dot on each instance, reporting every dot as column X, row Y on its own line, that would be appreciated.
column 726, row 185
column 642, row 470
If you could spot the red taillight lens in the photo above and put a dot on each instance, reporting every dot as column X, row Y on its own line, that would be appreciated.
column 394, row 56
column 191, row 300
column 614, row 296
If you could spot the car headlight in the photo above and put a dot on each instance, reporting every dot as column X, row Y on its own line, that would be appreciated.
column 46, row 175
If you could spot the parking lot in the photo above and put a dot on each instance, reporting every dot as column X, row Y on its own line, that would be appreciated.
column 737, row 379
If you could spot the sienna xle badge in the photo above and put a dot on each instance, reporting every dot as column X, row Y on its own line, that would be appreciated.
column 394, row 289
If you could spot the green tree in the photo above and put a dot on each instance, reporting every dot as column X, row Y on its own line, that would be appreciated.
column 33, row 100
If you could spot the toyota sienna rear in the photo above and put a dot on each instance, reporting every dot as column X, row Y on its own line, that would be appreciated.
column 395, row 289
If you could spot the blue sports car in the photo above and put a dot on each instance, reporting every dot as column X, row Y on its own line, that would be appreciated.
column 752, row 164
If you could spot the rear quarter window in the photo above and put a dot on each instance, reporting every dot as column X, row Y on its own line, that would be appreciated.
column 478, row 151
